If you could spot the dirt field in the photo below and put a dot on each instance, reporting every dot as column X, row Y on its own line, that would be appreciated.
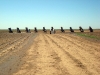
column 44, row 54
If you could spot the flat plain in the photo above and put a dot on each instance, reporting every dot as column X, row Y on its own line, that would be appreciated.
column 50, row 54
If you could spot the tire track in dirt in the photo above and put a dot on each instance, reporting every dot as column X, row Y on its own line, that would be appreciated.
column 59, row 65
column 48, row 55
column 82, row 46
column 5, row 45
column 12, row 48
column 73, row 60
column 88, row 58
column 14, row 58
column 88, row 46
column 13, row 41
column 30, row 66
column 79, row 41
column 10, row 39
column 41, row 60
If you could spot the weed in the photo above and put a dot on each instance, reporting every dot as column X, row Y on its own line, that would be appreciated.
column 88, row 36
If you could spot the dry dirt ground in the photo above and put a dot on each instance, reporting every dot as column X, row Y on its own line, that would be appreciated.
column 45, row 54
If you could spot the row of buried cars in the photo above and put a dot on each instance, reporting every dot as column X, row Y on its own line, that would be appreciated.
column 19, row 31
column 52, row 30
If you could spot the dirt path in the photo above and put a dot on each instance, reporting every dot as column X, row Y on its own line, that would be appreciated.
column 12, row 54
column 57, row 54
column 79, row 61
column 42, row 59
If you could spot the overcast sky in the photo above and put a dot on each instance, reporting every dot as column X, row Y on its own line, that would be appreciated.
column 56, row 13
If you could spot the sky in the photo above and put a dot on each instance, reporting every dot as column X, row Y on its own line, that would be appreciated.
column 47, row 13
